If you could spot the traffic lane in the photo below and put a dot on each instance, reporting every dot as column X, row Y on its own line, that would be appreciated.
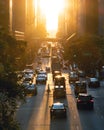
column 40, row 117
column 41, row 120
column 35, row 114
column 75, row 123
column 94, row 119
column 26, row 110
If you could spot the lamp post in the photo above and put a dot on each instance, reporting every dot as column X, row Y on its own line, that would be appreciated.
column 10, row 15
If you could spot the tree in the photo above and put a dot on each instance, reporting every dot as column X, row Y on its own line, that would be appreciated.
column 10, row 91
column 89, row 51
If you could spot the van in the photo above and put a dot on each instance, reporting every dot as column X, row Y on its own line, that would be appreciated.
column 80, row 87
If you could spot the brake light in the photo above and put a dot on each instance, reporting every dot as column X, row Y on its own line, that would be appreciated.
column 91, row 100
column 79, row 100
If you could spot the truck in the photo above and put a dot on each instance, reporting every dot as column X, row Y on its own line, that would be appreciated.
column 55, row 64
column 59, row 91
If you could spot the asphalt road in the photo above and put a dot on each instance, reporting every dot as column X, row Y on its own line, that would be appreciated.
column 34, row 114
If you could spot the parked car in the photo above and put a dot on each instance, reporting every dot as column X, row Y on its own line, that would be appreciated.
column 44, row 73
column 26, row 81
column 41, row 79
column 73, row 77
column 85, row 101
column 29, row 72
column 58, row 110
column 56, row 73
column 93, row 83
column 31, row 89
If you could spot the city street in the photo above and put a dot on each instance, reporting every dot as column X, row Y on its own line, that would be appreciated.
column 35, row 114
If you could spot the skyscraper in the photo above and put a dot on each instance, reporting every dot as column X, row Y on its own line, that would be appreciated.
column 4, row 14
column 18, row 15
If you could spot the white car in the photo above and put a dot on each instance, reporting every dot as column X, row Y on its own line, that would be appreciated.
column 44, row 73
column 29, row 72
column 41, row 79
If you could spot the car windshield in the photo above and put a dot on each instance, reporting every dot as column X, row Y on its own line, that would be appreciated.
column 85, row 98
column 93, row 79
column 58, row 106
column 40, row 76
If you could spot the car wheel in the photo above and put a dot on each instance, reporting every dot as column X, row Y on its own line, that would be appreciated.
column 36, row 82
column 51, row 116
column 65, row 115
column 35, row 93
column 78, row 106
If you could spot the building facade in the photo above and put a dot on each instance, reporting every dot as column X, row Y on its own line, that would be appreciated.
column 4, row 15
column 79, row 16
column 101, row 16
column 83, row 17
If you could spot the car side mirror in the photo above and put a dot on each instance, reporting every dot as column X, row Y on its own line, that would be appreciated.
column 66, row 105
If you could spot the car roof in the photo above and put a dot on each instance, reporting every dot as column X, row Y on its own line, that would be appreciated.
column 93, row 79
column 59, row 77
column 27, row 70
column 58, row 105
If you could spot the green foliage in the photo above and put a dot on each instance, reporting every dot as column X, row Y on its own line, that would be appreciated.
column 10, row 91
column 87, row 51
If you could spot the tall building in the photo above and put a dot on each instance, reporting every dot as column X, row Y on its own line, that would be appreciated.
column 18, row 15
column 81, row 17
column 101, row 16
column 91, row 11
column 87, row 17
column 23, row 18
column 4, row 14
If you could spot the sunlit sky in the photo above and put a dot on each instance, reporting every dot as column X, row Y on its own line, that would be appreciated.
column 51, row 9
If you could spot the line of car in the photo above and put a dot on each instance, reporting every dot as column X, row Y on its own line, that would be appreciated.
column 58, row 108
column 26, row 79
column 83, row 98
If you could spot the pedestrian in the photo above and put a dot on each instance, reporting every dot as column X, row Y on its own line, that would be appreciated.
column 48, row 90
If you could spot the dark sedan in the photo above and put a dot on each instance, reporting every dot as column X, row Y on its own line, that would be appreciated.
column 58, row 110
column 85, row 101
column 93, row 83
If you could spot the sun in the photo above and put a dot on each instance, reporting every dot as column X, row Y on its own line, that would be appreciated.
column 51, row 9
